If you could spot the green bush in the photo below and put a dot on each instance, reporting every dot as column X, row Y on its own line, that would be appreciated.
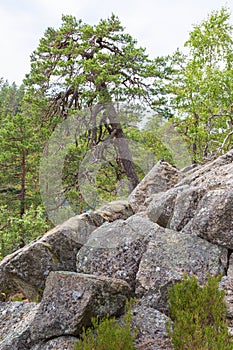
column 16, row 231
column 108, row 334
column 198, row 316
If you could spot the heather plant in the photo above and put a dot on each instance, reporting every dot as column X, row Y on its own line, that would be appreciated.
column 198, row 315
column 108, row 334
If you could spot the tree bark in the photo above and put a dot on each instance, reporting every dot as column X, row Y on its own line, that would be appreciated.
column 123, row 147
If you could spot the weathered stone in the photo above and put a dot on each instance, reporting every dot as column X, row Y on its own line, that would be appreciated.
column 185, row 206
column 215, row 174
column 162, row 177
column 27, row 269
column 70, row 300
column 161, row 206
column 60, row 343
column 112, row 211
column 16, row 318
column 167, row 257
column 213, row 219
column 115, row 249
column 151, row 326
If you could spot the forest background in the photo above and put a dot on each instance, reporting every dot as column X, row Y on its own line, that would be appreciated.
column 127, row 111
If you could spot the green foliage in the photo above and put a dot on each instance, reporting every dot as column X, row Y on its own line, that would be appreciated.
column 198, row 316
column 197, row 88
column 78, row 67
column 17, row 231
column 108, row 334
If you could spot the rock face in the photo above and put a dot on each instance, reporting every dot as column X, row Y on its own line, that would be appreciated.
column 27, row 269
column 161, row 177
column 115, row 249
column 167, row 257
column 70, row 300
column 174, row 222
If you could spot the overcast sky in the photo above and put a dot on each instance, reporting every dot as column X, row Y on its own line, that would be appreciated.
column 159, row 25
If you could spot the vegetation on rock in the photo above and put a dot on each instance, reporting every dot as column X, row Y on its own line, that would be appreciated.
column 108, row 334
column 198, row 316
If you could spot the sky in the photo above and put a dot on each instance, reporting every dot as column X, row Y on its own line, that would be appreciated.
column 161, row 26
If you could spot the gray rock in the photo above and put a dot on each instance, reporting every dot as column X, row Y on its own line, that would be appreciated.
column 215, row 174
column 185, row 206
column 213, row 219
column 167, row 257
column 16, row 318
column 60, row 343
column 161, row 206
column 28, row 268
column 162, row 177
column 115, row 210
column 70, row 300
column 115, row 249
column 151, row 326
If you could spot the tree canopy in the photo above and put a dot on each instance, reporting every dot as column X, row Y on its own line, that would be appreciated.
column 98, row 77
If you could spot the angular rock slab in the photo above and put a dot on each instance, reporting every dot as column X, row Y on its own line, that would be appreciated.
column 162, row 177
column 115, row 249
column 217, row 173
column 70, row 300
column 167, row 257
column 27, row 269
column 161, row 206
column 213, row 219
column 185, row 206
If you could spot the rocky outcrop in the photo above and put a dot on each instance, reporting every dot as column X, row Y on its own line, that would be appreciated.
column 71, row 299
column 213, row 219
column 26, row 270
column 116, row 249
column 167, row 257
column 69, row 302
column 174, row 222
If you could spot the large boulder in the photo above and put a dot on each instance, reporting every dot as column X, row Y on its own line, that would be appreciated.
column 217, row 173
column 27, row 269
column 168, row 256
column 119, row 209
column 161, row 205
column 115, row 249
column 69, row 302
column 213, row 219
column 185, row 206
column 161, row 177
column 200, row 203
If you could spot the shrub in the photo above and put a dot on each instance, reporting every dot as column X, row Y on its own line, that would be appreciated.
column 198, row 316
column 108, row 334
